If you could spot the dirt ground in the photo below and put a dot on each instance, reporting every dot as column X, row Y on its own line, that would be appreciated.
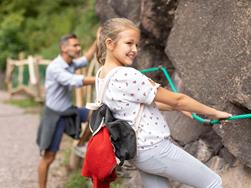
column 19, row 152
column 20, row 155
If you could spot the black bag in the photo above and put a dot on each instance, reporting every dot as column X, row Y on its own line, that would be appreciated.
column 123, row 136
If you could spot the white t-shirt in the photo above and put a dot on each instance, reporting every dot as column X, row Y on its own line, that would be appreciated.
column 127, row 89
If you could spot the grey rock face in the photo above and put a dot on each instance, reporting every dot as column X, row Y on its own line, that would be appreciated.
column 184, row 130
column 209, row 46
column 107, row 9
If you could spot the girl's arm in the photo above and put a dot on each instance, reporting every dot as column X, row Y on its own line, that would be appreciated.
column 165, row 107
column 182, row 102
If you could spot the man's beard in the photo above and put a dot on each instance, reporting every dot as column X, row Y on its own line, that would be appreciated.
column 74, row 55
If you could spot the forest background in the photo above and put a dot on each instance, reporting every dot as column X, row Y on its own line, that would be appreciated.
column 34, row 27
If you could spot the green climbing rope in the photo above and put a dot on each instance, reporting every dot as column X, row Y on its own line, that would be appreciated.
column 196, row 117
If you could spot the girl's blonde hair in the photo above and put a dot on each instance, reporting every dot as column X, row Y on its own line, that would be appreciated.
column 110, row 29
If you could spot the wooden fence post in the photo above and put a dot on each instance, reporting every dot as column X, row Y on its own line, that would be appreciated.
column 83, row 95
column 34, row 77
column 74, row 161
column 9, row 70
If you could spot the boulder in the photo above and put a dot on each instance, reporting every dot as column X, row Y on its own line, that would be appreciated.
column 209, row 48
column 183, row 129
column 106, row 9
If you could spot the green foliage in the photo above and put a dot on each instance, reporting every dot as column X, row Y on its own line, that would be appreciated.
column 76, row 180
column 34, row 26
column 10, row 40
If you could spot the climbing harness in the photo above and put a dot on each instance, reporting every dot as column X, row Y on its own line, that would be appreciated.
column 195, row 116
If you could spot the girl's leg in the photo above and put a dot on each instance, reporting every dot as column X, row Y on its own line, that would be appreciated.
column 152, row 181
column 168, row 160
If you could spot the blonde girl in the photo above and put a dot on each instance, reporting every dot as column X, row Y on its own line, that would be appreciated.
column 157, row 159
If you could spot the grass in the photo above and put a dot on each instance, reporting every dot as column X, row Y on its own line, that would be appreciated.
column 23, row 103
column 67, row 153
column 116, row 183
column 75, row 180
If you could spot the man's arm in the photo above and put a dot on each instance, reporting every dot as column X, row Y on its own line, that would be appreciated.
column 90, row 53
column 90, row 80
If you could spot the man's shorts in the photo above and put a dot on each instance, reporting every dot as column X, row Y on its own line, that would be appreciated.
column 57, row 137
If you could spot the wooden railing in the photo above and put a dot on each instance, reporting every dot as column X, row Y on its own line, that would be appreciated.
column 27, row 76
column 86, row 94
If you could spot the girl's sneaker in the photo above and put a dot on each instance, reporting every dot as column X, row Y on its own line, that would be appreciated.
column 80, row 150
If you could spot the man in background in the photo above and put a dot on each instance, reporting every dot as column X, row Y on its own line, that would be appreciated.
column 59, row 114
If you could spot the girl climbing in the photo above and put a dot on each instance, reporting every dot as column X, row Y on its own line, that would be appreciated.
column 157, row 159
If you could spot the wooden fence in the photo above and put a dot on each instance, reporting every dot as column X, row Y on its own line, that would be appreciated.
column 27, row 76
column 86, row 94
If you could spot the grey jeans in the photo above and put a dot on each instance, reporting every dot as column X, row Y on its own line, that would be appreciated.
column 167, row 160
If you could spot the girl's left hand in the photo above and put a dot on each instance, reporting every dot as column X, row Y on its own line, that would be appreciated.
column 220, row 115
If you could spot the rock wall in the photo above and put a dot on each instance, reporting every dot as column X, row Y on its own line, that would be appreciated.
column 206, row 46
column 209, row 47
